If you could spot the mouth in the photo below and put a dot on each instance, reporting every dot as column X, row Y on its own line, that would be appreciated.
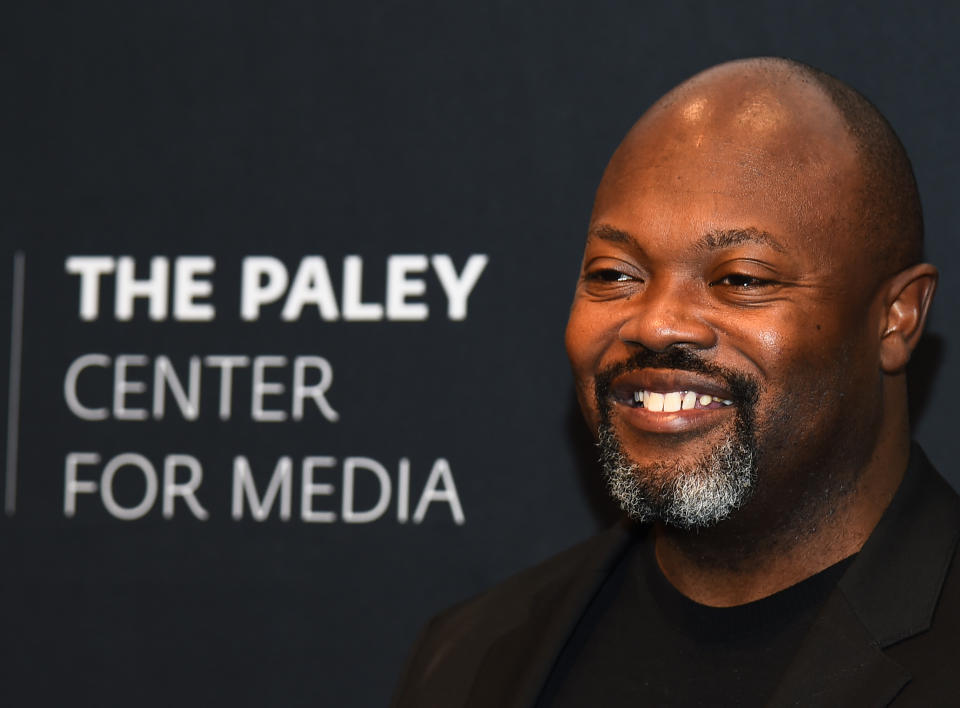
column 659, row 400
column 673, row 401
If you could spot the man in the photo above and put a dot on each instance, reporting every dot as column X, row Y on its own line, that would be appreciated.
column 751, row 292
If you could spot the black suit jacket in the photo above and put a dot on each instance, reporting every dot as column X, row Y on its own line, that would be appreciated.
column 887, row 635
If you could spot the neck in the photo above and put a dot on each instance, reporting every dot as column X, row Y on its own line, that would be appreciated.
column 759, row 553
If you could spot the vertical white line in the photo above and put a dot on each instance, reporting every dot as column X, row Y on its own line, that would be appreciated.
column 13, row 400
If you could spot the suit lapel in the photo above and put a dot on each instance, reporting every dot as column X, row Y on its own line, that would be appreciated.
column 515, row 668
column 889, row 593
column 838, row 664
column 895, row 583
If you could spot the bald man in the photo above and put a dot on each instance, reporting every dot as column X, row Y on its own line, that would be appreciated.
column 750, row 294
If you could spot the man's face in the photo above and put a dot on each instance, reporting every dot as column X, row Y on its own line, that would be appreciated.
column 723, row 316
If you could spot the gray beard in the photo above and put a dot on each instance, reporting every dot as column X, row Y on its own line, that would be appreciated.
column 688, row 496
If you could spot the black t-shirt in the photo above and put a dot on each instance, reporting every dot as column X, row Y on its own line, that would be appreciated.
column 641, row 642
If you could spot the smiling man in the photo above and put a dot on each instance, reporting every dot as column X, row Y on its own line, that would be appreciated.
column 750, row 294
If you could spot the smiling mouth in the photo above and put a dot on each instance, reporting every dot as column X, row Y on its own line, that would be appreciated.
column 672, row 401
column 670, row 391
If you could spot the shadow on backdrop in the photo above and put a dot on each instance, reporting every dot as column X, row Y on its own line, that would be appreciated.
column 922, row 372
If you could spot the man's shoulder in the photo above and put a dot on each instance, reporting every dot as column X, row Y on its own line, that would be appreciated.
column 930, row 655
column 551, row 576
column 541, row 602
column 905, row 587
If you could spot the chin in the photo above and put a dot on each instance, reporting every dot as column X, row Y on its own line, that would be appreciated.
column 690, row 491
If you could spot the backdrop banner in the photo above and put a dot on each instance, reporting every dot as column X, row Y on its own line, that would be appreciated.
column 283, row 297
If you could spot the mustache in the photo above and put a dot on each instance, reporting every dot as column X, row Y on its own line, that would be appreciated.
column 744, row 389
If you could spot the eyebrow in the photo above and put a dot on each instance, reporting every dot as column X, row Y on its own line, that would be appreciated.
column 713, row 241
column 716, row 240
column 614, row 235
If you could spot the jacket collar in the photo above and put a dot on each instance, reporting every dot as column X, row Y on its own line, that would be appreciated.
column 888, row 594
column 895, row 582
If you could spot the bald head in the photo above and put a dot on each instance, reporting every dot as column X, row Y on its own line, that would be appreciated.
column 794, row 130
column 892, row 219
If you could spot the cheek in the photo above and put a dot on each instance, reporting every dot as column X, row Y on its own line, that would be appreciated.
column 771, row 344
column 815, row 383
column 589, row 336
column 795, row 342
column 832, row 354
column 590, row 331
column 799, row 367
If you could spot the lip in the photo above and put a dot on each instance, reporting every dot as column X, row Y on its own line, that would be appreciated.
column 663, row 381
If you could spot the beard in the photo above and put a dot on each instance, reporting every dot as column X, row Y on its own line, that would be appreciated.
column 687, row 494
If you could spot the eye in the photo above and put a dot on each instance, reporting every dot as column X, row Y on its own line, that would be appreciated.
column 611, row 278
column 742, row 281
column 607, row 275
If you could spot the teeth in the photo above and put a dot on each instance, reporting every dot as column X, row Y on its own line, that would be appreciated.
column 672, row 402
column 653, row 401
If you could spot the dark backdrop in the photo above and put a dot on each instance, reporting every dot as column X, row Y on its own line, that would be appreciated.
column 372, row 129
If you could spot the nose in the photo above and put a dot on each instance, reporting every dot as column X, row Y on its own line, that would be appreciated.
column 666, row 314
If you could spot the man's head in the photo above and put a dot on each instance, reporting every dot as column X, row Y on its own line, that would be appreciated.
column 750, row 294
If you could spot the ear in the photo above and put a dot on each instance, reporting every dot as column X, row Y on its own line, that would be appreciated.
column 907, row 301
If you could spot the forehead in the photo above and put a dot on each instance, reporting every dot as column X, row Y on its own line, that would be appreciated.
column 738, row 153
